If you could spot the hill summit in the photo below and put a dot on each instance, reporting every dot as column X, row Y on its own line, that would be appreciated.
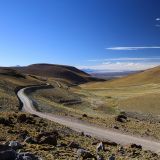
column 67, row 73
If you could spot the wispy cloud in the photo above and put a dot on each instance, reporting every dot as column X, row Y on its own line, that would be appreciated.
column 157, row 25
column 134, row 59
column 126, row 59
column 95, row 60
column 158, row 20
column 133, row 48
column 120, row 66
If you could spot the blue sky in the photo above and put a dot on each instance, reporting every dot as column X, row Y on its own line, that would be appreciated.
column 89, row 34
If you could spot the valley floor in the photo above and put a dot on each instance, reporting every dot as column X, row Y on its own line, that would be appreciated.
column 94, row 109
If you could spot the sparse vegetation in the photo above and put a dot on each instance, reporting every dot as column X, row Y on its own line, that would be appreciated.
column 9, row 81
column 102, row 105
column 103, row 116
column 67, row 74
column 68, row 141
column 93, row 102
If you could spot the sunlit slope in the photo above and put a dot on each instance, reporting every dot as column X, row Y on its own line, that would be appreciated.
column 9, row 80
column 150, row 76
column 139, row 92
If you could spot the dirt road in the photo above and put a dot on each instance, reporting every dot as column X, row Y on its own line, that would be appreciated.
column 89, row 129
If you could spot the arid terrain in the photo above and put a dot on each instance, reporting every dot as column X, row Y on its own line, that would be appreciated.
column 128, row 105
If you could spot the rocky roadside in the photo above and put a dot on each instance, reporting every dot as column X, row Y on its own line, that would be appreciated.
column 26, row 137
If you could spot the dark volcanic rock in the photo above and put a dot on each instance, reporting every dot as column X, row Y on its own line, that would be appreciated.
column 121, row 118
column 115, row 127
column 48, row 138
column 110, row 143
column 14, row 145
column 45, row 134
column 25, row 119
column 84, row 115
column 100, row 147
column 4, row 147
column 82, row 153
column 22, row 118
column 23, row 134
column 100, row 157
column 136, row 146
column 51, row 140
column 6, row 122
column 30, row 140
column 8, row 155
column 112, row 157
column 26, row 156
column 74, row 145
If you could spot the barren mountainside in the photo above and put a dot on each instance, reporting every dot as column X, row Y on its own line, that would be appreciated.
column 144, row 77
column 67, row 73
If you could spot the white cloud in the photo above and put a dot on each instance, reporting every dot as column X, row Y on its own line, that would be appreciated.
column 158, row 19
column 126, row 59
column 133, row 48
column 120, row 66
column 95, row 60
column 134, row 59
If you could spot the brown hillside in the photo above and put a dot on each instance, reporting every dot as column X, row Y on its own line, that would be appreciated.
column 67, row 73
column 145, row 77
column 10, row 79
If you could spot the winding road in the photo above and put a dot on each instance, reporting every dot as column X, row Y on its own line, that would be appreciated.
column 91, row 130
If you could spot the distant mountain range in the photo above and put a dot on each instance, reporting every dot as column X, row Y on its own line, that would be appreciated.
column 107, row 74
column 149, row 76
column 70, row 74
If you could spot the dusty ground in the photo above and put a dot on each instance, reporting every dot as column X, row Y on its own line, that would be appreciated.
column 94, row 109
column 90, row 104
column 35, row 126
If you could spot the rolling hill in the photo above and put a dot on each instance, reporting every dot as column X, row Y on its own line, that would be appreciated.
column 139, row 92
column 13, row 77
column 66, row 73
column 10, row 79
column 150, row 76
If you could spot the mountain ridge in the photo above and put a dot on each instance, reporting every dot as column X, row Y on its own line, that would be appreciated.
column 68, row 73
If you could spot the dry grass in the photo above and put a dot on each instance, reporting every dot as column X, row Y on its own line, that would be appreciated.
column 66, row 135
column 142, row 98
column 9, row 80
column 139, row 92
column 97, row 111
column 150, row 76
column 68, row 74
column 100, row 101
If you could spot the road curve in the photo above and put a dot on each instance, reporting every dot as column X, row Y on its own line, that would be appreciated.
column 94, row 131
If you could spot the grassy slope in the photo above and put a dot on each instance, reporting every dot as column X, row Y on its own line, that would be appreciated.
column 137, row 93
column 9, row 80
column 146, row 77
